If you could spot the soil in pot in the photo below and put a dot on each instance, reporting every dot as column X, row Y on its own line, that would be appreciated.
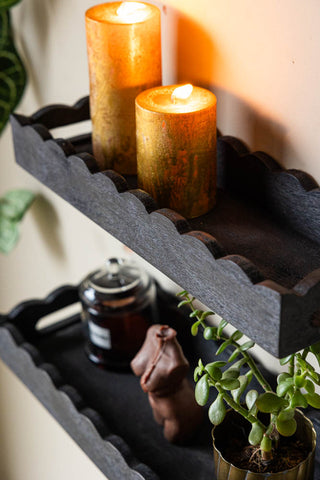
column 231, row 439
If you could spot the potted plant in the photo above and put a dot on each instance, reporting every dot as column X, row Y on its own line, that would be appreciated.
column 262, row 433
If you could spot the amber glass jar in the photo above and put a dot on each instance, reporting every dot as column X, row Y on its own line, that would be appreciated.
column 118, row 304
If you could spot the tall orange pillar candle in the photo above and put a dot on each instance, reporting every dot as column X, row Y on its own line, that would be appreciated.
column 176, row 147
column 124, row 53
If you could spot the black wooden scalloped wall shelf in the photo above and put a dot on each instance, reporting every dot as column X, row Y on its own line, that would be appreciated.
column 106, row 412
column 254, row 259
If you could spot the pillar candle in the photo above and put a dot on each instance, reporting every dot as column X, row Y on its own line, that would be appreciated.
column 124, row 54
column 176, row 147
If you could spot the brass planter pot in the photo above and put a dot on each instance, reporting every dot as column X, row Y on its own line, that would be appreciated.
column 225, row 470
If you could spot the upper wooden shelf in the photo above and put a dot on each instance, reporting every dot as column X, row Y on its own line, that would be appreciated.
column 254, row 259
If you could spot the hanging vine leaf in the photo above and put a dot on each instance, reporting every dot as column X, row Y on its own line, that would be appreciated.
column 13, row 206
column 6, row 4
column 12, row 71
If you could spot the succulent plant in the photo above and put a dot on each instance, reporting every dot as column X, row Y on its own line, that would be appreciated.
column 232, row 379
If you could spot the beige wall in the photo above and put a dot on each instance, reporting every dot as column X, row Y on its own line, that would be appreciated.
column 33, row 445
column 261, row 58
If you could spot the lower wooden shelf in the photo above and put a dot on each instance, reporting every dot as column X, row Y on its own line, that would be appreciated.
column 106, row 412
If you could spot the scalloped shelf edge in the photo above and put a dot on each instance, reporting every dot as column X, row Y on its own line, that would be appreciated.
column 110, row 453
column 108, row 198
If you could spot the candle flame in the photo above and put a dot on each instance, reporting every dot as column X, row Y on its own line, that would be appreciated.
column 132, row 11
column 181, row 93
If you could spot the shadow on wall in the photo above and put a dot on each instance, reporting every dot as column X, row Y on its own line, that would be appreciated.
column 196, row 55
column 48, row 227
column 197, row 61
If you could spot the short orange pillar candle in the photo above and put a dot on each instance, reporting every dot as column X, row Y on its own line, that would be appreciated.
column 176, row 147
column 124, row 54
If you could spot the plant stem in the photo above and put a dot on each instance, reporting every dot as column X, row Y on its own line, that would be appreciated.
column 250, row 362
column 238, row 408
column 253, row 367
column 291, row 367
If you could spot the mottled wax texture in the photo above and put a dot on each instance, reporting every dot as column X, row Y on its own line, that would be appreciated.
column 124, row 59
column 176, row 149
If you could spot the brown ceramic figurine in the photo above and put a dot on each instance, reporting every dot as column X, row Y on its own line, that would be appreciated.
column 163, row 368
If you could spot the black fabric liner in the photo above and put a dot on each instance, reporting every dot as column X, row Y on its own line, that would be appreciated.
column 124, row 407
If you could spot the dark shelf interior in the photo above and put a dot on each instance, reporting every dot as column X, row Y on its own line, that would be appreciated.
column 276, row 249
column 125, row 410
column 244, row 226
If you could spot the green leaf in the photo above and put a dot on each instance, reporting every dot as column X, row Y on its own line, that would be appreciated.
column 315, row 377
column 309, row 386
column 213, row 370
column 6, row 4
column 234, row 355
column 285, row 360
column 202, row 390
column 206, row 314
column 239, row 363
column 315, row 348
column 286, row 428
column 299, row 381
column 236, row 335
column 9, row 234
column 197, row 373
column 183, row 293
column 214, row 373
column 230, row 383
column 284, row 386
column 282, row 377
column 194, row 329
column 223, row 323
column 251, row 398
column 286, row 414
column 266, row 444
column 217, row 364
column 209, row 333
column 231, row 373
column 184, row 302
column 223, row 346
column 12, row 72
column 236, row 394
column 313, row 399
column 256, row 434
column 195, row 313
column 14, row 204
column 269, row 402
column 247, row 345
column 304, row 365
column 217, row 411
column 298, row 400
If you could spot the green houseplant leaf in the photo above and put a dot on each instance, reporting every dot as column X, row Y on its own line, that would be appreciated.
column 13, row 206
column 15, row 203
column 12, row 71
column 5, row 4
column 9, row 234
column 202, row 390
column 217, row 411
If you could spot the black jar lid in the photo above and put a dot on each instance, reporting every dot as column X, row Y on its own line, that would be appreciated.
column 119, row 283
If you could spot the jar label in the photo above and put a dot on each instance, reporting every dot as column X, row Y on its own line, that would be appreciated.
column 99, row 336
